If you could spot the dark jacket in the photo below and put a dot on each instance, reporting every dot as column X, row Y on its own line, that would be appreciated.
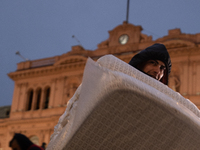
column 24, row 142
column 154, row 52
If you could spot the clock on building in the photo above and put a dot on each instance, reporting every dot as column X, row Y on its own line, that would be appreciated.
column 123, row 39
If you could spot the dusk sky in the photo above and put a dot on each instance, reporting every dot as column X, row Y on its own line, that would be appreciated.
column 44, row 28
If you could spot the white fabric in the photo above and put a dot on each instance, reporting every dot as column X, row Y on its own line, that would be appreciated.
column 145, row 110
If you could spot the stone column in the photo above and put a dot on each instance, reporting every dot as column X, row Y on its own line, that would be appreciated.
column 24, row 96
column 33, row 105
column 15, row 100
column 52, row 93
column 184, row 78
column 42, row 98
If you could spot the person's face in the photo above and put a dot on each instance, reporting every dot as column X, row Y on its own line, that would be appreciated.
column 15, row 145
column 154, row 68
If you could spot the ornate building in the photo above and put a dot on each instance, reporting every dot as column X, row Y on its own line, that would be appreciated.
column 43, row 87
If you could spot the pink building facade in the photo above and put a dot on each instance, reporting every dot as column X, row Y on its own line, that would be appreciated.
column 43, row 87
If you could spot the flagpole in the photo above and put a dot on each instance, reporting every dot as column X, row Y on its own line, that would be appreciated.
column 127, row 12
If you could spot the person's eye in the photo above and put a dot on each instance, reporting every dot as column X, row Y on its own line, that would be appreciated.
column 162, row 67
column 152, row 62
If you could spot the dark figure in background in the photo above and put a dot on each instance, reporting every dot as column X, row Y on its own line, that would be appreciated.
column 21, row 142
column 153, row 61
column 44, row 145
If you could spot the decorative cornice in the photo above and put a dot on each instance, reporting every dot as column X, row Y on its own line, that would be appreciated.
column 46, row 70
column 183, row 50
column 177, row 35
column 177, row 43
column 123, row 48
column 71, row 59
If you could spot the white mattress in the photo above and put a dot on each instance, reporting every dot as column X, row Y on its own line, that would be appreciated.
column 118, row 107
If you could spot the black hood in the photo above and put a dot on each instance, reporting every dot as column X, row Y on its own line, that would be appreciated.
column 22, row 141
column 154, row 52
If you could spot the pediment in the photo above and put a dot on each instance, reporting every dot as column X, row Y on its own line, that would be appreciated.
column 71, row 60
column 126, row 26
column 178, row 43
column 177, row 39
column 131, row 32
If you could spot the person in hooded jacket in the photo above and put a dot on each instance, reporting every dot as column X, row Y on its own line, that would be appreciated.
column 153, row 61
column 21, row 142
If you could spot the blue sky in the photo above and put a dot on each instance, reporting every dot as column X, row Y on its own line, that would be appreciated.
column 44, row 28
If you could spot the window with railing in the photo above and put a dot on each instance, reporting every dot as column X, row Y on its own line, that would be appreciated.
column 38, row 99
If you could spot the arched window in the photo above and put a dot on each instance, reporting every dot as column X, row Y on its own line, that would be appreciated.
column 38, row 93
column 70, row 90
column 35, row 140
column 30, row 99
column 46, row 98
column 75, row 86
column 174, row 83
